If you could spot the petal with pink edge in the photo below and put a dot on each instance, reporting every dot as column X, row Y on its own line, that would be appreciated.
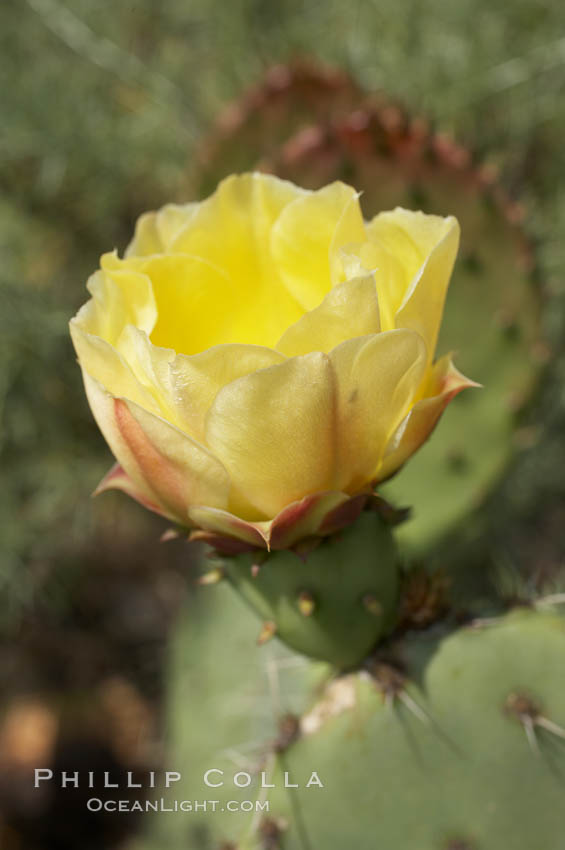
column 445, row 383
column 118, row 479
column 173, row 470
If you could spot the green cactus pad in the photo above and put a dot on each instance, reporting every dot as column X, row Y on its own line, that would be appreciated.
column 226, row 698
column 472, row 757
column 333, row 603
column 457, row 768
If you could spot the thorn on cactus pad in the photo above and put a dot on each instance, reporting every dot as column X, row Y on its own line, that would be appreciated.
column 528, row 712
column 521, row 705
column 268, row 630
column 392, row 684
column 212, row 577
column 306, row 603
column 270, row 833
column 255, row 569
column 423, row 599
column 289, row 730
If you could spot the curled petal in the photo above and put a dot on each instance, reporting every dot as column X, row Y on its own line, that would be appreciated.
column 349, row 310
column 197, row 303
column 221, row 525
column 427, row 247
column 306, row 238
column 155, row 232
column 444, row 383
column 107, row 366
column 120, row 296
column 117, row 479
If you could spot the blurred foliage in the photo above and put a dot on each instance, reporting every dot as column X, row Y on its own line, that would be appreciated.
column 103, row 104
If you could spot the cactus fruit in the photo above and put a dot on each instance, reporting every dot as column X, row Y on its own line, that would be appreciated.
column 445, row 740
column 334, row 602
column 492, row 317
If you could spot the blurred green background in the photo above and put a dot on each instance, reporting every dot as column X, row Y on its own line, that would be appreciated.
column 104, row 105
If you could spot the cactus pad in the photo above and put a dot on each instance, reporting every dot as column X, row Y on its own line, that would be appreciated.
column 472, row 756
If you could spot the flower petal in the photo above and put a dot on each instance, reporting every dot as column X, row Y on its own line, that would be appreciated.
column 387, row 272
column 196, row 301
column 234, row 224
column 428, row 246
column 117, row 479
column 377, row 379
column 444, row 383
column 274, row 432
column 349, row 310
column 196, row 380
column 107, row 366
column 120, row 296
column 307, row 517
column 173, row 470
column 306, row 238
column 319, row 514
column 155, row 232
column 226, row 525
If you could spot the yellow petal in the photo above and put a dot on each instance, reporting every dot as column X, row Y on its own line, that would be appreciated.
column 120, row 296
column 377, row 378
column 443, row 384
column 274, row 432
column 427, row 246
column 155, row 232
column 149, row 363
column 307, row 236
column 106, row 365
column 171, row 468
column 196, row 301
column 349, row 310
column 196, row 380
column 388, row 273
column 232, row 229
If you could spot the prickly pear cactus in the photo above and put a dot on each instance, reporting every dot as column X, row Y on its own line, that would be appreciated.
column 314, row 126
column 446, row 739
column 380, row 705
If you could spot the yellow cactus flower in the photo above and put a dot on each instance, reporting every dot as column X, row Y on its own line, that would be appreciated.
column 259, row 361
